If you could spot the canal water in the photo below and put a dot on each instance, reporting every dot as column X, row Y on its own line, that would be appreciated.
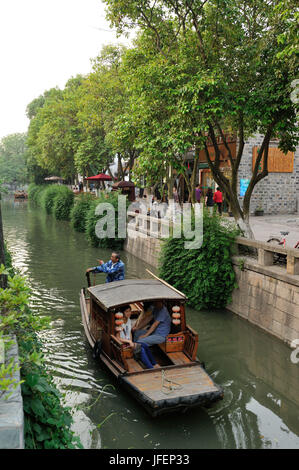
column 260, row 406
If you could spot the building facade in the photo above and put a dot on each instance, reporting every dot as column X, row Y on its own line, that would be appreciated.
column 278, row 193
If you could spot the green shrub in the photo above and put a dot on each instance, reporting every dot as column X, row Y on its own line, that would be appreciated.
column 32, row 189
column 35, row 191
column 206, row 274
column 79, row 211
column 63, row 203
column 92, row 219
column 48, row 197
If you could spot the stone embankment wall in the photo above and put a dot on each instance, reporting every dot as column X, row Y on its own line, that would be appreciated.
column 267, row 296
column 11, row 411
column 144, row 247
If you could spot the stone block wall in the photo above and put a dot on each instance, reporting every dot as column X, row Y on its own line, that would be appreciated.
column 278, row 193
column 11, row 411
column 144, row 247
column 272, row 303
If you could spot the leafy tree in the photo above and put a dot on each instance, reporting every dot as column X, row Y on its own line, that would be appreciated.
column 104, row 112
column 12, row 159
column 223, row 73
column 54, row 133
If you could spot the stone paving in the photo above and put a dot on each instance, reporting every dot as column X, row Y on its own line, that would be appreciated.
column 11, row 412
column 267, row 225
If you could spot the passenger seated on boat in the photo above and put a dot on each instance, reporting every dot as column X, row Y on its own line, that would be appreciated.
column 145, row 316
column 158, row 330
column 125, row 336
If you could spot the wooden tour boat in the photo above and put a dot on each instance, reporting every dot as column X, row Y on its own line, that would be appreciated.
column 181, row 381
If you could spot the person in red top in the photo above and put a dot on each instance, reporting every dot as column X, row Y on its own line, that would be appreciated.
column 218, row 199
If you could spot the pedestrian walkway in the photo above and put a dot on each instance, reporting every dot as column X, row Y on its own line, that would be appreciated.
column 267, row 225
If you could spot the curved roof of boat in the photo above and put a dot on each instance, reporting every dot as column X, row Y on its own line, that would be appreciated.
column 116, row 293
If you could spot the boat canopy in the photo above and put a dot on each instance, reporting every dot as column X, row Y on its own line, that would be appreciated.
column 118, row 293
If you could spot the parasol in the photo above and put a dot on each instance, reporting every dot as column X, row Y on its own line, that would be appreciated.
column 99, row 177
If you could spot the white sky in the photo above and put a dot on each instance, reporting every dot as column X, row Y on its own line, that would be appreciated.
column 43, row 44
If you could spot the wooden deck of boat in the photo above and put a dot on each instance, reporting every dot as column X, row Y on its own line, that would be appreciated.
column 190, row 380
column 178, row 358
column 134, row 366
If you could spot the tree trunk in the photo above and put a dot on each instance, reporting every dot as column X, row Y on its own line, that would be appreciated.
column 120, row 171
column 193, row 176
column 131, row 163
column 170, row 182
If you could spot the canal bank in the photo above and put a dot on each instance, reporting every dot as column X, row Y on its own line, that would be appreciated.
column 267, row 295
column 260, row 406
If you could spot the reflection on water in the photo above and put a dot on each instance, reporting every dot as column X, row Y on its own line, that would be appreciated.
column 260, row 405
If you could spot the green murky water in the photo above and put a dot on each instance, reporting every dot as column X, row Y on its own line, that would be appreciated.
column 260, row 408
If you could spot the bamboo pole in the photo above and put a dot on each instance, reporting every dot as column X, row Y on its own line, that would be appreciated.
column 166, row 283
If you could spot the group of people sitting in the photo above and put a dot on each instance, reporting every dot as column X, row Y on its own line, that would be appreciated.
column 138, row 337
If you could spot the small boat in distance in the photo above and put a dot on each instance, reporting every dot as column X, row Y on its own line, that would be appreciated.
column 20, row 195
column 181, row 381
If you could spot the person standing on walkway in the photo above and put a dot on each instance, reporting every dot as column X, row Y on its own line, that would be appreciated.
column 198, row 193
column 209, row 201
column 219, row 200
column 175, row 194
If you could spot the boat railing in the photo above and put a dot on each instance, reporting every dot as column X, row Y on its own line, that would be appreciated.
column 191, row 343
column 121, row 351
column 117, row 350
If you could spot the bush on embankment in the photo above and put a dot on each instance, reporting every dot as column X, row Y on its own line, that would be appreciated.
column 204, row 274
column 63, row 203
column 59, row 200
column 56, row 199
column 34, row 192
column 79, row 211
column 110, row 218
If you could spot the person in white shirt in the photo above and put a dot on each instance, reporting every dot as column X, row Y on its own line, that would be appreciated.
column 125, row 336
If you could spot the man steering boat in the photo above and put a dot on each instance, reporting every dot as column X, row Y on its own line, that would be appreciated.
column 114, row 268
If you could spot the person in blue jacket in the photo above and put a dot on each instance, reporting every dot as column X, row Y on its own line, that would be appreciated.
column 114, row 268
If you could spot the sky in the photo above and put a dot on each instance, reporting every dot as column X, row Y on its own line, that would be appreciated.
column 43, row 44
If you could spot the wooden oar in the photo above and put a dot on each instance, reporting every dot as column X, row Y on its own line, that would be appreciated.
column 166, row 283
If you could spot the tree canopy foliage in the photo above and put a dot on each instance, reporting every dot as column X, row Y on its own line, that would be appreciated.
column 197, row 72
column 207, row 68
column 13, row 159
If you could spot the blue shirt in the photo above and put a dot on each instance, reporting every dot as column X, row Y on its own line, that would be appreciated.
column 163, row 317
column 115, row 272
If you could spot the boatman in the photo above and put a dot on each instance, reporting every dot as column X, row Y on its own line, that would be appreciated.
column 114, row 268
